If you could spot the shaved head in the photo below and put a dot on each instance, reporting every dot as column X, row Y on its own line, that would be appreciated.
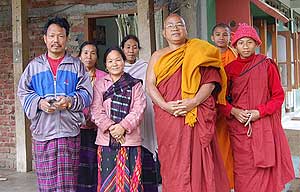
column 173, row 15
column 175, row 30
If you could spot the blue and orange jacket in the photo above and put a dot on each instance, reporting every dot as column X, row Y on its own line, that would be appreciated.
column 37, row 82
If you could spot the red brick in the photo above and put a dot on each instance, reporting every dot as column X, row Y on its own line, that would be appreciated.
column 4, row 150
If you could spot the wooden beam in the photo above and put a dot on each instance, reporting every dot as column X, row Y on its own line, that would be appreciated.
column 288, row 60
column 262, row 27
column 288, row 47
column 20, row 60
column 296, row 60
column 110, row 13
column 47, row 3
column 146, row 31
column 273, row 30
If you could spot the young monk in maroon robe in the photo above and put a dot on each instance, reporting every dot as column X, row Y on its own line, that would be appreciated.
column 262, row 159
column 181, row 80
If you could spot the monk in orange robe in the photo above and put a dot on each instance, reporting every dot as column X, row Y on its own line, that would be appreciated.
column 221, row 38
column 183, row 81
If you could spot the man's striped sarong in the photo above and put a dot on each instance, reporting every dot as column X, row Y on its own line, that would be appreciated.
column 56, row 164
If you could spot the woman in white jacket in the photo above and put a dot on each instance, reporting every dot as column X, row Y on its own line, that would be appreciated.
column 137, row 67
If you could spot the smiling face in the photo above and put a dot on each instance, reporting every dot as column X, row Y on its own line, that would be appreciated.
column 115, row 65
column 175, row 30
column 88, row 56
column 246, row 47
column 131, row 50
column 221, row 37
column 55, row 40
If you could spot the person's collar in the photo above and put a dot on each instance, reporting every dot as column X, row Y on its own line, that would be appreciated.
column 47, row 55
column 246, row 60
column 67, row 58
column 137, row 62
column 107, row 77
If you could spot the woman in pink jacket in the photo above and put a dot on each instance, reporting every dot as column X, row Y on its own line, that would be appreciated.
column 117, row 109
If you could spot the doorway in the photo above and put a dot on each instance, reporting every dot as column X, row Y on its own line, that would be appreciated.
column 109, row 30
column 104, row 32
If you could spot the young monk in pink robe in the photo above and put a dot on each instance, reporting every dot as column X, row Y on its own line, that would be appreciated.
column 262, row 159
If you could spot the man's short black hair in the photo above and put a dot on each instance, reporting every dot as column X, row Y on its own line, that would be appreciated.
column 222, row 25
column 60, row 21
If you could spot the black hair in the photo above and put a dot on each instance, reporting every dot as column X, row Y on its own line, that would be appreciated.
column 60, row 21
column 127, row 37
column 222, row 25
column 88, row 43
column 115, row 48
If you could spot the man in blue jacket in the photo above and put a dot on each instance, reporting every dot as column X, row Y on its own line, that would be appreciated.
column 53, row 90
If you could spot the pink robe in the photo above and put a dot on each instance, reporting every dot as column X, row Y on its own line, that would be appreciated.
column 190, row 160
column 262, row 162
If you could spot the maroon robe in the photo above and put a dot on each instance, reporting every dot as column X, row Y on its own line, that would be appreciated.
column 190, row 160
column 262, row 162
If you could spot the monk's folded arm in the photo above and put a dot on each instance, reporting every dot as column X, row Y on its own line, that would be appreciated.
column 203, row 93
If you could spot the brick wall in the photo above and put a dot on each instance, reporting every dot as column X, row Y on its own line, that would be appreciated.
column 76, row 35
column 38, row 13
column 7, row 128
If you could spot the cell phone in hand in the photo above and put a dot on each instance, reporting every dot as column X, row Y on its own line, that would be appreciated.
column 52, row 101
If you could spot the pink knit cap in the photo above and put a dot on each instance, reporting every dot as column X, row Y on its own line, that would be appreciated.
column 245, row 30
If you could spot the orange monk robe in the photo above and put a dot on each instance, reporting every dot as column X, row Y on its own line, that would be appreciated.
column 228, row 56
column 190, row 62
column 222, row 129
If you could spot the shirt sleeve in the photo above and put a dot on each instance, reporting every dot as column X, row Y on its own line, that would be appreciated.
column 136, row 112
column 276, row 92
column 226, row 109
column 83, row 94
column 210, row 75
column 28, row 97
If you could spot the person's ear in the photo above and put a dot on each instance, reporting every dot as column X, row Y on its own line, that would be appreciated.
column 212, row 38
column 45, row 39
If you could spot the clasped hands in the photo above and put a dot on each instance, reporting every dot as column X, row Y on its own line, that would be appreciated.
column 117, row 132
column 245, row 116
column 51, row 105
column 180, row 107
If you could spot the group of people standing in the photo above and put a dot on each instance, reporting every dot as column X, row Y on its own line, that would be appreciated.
column 212, row 112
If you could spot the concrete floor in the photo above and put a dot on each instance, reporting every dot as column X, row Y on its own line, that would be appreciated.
column 26, row 182
column 17, row 182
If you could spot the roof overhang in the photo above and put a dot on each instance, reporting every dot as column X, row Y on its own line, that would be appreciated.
column 270, row 10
